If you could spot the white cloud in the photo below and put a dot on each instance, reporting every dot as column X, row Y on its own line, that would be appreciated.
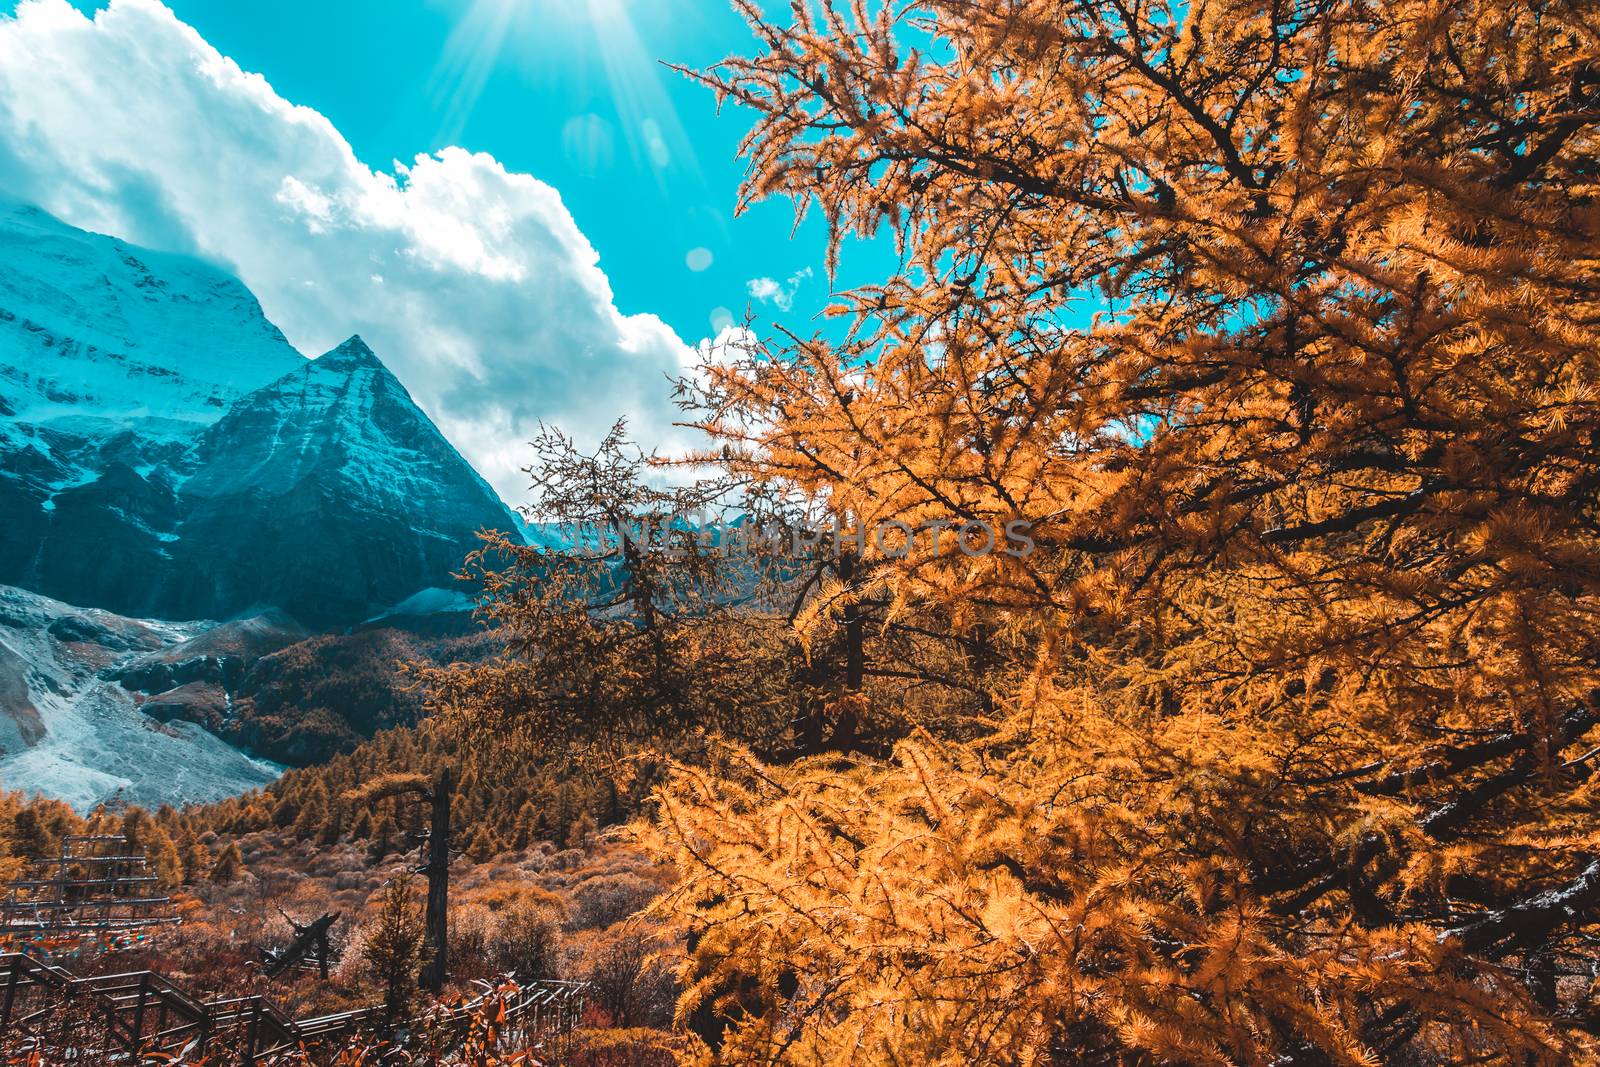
column 763, row 288
column 770, row 290
column 472, row 283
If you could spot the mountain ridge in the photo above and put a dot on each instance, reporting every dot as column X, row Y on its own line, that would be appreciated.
column 161, row 474
column 166, row 456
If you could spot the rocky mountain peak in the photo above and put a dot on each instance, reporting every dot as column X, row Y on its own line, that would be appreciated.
column 169, row 455
column 354, row 354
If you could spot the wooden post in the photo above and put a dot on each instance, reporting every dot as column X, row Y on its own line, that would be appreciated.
column 11, row 993
column 848, row 722
column 855, row 657
column 253, row 1033
column 437, row 868
column 138, row 1014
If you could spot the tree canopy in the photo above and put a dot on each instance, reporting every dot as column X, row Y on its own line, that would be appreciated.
column 1276, row 324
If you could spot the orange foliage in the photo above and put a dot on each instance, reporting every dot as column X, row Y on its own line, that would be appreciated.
column 1278, row 324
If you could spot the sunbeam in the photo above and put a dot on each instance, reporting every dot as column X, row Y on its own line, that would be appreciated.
column 470, row 55
column 567, row 41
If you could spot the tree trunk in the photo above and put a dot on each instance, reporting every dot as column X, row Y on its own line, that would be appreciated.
column 437, row 936
column 855, row 652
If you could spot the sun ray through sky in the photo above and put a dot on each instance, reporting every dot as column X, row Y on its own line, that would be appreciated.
column 491, row 34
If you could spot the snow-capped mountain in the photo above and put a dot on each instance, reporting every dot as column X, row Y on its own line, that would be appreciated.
column 355, row 499
column 111, row 359
column 165, row 453
column 101, row 337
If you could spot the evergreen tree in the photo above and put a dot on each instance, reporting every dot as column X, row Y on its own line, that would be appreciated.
column 285, row 810
column 527, row 826
column 32, row 837
column 385, row 836
column 197, row 862
column 393, row 947
column 332, row 826
column 484, row 846
column 148, row 837
column 1277, row 329
column 229, row 865
column 580, row 834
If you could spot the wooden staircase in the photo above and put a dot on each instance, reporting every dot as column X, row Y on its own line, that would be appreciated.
column 143, row 1012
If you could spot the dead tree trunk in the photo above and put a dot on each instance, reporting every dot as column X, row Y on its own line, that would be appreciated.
column 437, row 929
column 310, row 942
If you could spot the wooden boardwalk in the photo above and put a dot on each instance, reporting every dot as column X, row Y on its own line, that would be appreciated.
column 98, row 886
column 144, row 1012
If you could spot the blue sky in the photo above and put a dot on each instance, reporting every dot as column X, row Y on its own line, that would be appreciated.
column 571, row 92
column 558, row 269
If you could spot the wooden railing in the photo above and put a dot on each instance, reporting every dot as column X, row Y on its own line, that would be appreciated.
column 144, row 1012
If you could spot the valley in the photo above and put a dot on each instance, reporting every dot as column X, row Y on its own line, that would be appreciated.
column 70, row 730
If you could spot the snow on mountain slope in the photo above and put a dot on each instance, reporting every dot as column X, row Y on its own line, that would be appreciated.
column 111, row 358
column 342, row 413
column 101, row 335
column 354, row 498
column 89, row 742
column 165, row 453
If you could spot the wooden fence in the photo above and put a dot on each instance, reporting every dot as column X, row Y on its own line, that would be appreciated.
column 144, row 1012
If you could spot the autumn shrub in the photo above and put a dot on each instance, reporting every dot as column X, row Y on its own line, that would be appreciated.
column 631, row 1047
column 470, row 929
column 609, row 898
column 499, row 895
column 629, row 969
column 525, row 942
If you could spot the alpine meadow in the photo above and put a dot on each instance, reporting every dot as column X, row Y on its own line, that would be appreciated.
column 1255, row 344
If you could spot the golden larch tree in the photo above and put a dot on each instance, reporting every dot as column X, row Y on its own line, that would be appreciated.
column 1276, row 324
